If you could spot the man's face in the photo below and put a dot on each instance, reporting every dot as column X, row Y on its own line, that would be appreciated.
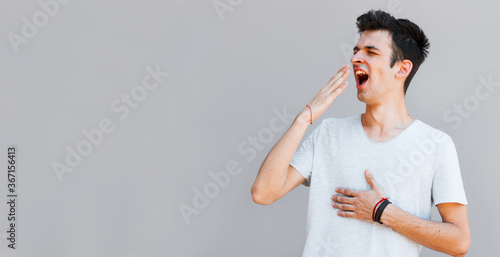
column 375, row 79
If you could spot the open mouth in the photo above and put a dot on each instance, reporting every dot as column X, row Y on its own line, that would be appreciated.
column 361, row 77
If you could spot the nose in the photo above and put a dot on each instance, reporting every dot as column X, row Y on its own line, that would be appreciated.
column 357, row 58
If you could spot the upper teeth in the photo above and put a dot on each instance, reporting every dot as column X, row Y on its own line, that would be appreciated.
column 360, row 72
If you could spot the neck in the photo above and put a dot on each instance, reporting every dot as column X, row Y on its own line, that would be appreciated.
column 386, row 116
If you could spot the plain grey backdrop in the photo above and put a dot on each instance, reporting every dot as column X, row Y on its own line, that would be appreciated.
column 173, row 177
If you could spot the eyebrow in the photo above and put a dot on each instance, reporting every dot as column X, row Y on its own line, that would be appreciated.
column 366, row 47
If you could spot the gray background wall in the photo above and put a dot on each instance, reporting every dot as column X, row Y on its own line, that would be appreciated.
column 227, row 72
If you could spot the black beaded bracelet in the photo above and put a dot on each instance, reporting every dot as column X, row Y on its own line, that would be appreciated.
column 380, row 209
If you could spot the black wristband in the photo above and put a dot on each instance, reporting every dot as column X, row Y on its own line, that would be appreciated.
column 380, row 209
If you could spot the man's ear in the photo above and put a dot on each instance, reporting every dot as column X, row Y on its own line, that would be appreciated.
column 405, row 67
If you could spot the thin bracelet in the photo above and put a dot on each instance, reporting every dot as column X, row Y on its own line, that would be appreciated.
column 374, row 208
column 311, row 113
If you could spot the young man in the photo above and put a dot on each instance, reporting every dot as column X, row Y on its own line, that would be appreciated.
column 352, row 164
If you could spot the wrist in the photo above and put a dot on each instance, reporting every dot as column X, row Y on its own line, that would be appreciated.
column 382, row 204
column 377, row 209
column 387, row 214
column 304, row 117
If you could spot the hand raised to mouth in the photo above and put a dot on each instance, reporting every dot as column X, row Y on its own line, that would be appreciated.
column 326, row 95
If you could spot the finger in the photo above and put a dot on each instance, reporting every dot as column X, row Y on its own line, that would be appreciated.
column 339, row 74
column 343, row 199
column 346, row 214
column 338, row 82
column 370, row 180
column 340, row 89
column 335, row 77
column 345, row 207
column 346, row 191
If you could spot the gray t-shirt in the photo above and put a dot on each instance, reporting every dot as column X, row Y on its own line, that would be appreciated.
column 417, row 168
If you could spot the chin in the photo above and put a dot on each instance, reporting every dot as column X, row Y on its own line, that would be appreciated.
column 364, row 98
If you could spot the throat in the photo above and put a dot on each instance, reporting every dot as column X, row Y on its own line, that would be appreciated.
column 382, row 136
column 384, row 131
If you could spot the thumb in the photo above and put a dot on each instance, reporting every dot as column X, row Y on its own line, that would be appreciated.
column 370, row 180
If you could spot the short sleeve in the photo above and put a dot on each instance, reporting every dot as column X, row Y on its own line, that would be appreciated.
column 302, row 160
column 447, row 185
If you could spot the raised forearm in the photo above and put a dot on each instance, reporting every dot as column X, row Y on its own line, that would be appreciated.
column 273, row 172
column 440, row 236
